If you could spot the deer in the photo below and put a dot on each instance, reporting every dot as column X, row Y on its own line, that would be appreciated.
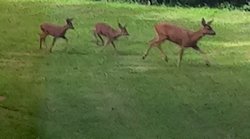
column 105, row 30
column 55, row 31
column 184, row 38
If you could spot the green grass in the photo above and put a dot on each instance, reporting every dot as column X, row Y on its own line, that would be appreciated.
column 86, row 93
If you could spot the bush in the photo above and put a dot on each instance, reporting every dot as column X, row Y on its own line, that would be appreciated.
column 246, row 7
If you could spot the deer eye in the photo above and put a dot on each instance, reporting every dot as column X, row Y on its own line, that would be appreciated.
column 208, row 28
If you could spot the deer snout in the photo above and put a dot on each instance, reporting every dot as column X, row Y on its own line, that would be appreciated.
column 213, row 33
column 126, row 34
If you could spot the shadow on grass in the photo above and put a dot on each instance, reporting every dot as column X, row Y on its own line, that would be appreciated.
column 128, row 53
column 75, row 52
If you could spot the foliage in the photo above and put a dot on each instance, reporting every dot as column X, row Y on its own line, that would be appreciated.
column 210, row 3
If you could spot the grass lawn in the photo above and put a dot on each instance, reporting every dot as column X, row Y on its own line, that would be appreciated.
column 89, row 93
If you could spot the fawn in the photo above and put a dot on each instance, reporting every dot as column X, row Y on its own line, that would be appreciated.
column 103, row 29
column 54, row 30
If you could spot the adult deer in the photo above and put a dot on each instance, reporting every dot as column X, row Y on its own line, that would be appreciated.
column 103, row 29
column 180, row 36
column 54, row 30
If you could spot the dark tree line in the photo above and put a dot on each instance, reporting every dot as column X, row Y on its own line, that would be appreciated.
column 210, row 3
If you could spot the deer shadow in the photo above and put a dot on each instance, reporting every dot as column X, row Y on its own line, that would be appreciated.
column 77, row 53
column 126, row 53
column 73, row 51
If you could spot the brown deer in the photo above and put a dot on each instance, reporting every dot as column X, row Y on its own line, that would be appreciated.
column 55, row 31
column 103, row 29
column 182, row 37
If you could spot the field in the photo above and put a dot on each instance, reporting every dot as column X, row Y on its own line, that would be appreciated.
column 85, row 92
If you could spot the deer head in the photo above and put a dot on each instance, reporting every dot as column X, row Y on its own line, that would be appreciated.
column 207, row 29
column 123, row 30
column 69, row 23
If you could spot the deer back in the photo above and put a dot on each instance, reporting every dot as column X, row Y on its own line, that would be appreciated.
column 53, row 30
column 173, row 33
column 106, row 30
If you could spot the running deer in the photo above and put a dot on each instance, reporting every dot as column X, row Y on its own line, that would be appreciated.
column 180, row 36
column 54, row 30
column 103, row 29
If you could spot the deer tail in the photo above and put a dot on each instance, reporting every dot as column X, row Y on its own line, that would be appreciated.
column 151, row 41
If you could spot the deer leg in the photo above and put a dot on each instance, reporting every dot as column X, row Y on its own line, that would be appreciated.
column 42, row 39
column 95, row 35
column 65, row 38
column 146, row 53
column 101, row 39
column 180, row 56
column 41, row 42
column 53, row 43
column 164, row 56
column 149, row 48
column 152, row 43
column 203, row 54
column 112, row 42
column 156, row 42
column 106, row 44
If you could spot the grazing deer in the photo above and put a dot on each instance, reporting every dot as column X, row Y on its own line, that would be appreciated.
column 103, row 29
column 182, row 37
column 55, row 31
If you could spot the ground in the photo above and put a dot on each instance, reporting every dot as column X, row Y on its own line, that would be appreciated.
column 84, row 92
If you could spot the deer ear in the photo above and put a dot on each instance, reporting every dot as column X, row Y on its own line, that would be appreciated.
column 203, row 21
column 119, row 25
column 210, row 22
column 69, row 19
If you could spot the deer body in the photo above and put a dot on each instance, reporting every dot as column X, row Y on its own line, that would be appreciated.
column 107, row 31
column 178, row 35
column 103, row 29
column 54, row 30
column 182, row 37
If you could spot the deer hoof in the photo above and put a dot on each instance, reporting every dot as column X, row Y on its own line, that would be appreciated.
column 208, row 63
column 143, row 57
column 166, row 59
column 178, row 65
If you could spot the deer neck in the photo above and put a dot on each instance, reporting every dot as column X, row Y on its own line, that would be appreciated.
column 196, row 36
column 117, row 33
column 65, row 28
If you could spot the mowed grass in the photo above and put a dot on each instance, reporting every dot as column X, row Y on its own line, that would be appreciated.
column 89, row 93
